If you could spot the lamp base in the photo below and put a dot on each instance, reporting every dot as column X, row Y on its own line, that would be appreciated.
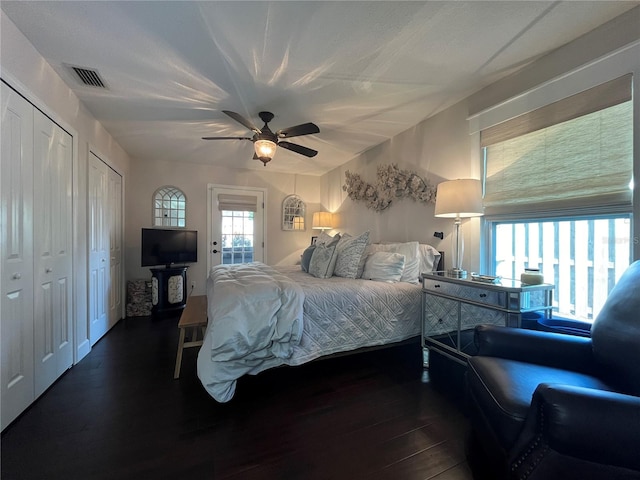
column 457, row 273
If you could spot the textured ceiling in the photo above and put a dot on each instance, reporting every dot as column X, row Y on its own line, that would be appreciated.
column 361, row 71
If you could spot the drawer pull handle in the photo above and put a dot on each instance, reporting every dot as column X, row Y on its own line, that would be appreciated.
column 483, row 295
column 437, row 285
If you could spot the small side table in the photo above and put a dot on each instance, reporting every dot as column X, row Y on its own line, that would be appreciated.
column 194, row 316
column 452, row 307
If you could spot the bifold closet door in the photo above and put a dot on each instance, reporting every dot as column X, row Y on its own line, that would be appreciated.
column 106, row 285
column 16, row 247
column 114, row 207
column 53, row 261
column 99, row 271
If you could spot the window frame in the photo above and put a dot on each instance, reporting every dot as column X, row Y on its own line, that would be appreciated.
column 490, row 227
column 607, row 67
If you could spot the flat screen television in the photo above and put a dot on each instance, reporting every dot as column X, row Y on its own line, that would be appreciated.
column 168, row 247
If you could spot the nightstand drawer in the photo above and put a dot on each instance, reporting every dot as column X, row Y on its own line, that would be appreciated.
column 463, row 292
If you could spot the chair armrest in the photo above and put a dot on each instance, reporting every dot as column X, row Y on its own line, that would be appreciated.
column 568, row 352
column 594, row 425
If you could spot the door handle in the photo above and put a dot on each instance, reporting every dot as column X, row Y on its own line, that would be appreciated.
column 48, row 270
column 17, row 276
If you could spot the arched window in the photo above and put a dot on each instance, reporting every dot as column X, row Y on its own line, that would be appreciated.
column 169, row 207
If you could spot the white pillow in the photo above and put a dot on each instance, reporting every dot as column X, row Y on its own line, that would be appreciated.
column 349, row 251
column 383, row 267
column 411, row 272
column 429, row 258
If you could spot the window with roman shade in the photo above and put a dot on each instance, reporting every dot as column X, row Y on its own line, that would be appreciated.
column 558, row 195
column 571, row 155
column 237, row 203
column 238, row 235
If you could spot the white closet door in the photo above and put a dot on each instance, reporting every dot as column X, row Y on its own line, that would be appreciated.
column 53, row 261
column 16, row 250
column 99, row 271
column 114, row 207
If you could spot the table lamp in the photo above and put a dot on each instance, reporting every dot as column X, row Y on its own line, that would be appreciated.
column 322, row 221
column 459, row 199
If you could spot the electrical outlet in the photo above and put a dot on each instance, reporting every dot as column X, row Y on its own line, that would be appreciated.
column 193, row 285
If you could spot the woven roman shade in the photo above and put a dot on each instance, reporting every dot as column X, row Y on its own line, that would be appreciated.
column 574, row 154
column 237, row 203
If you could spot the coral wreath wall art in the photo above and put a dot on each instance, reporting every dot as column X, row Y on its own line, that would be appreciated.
column 392, row 183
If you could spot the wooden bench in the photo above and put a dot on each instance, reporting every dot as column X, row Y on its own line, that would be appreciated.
column 193, row 316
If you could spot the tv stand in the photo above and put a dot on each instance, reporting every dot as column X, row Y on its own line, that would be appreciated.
column 168, row 289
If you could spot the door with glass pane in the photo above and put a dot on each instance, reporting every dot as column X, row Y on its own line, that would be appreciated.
column 236, row 225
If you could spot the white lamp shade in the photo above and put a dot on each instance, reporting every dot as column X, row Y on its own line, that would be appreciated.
column 460, row 198
column 322, row 221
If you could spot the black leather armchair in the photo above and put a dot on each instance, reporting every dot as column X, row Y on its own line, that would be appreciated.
column 552, row 406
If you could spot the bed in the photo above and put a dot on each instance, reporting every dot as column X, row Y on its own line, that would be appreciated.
column 262, row 317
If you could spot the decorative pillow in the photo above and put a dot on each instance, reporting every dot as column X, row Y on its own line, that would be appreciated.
column 323, row 260
column 429, row 258
column 411, row 272
column 306, row 258
column 349, row 253
column 326, row 238
column 384, row 267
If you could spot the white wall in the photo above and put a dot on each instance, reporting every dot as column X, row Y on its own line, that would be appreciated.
column 27, row 71
column 147, row 176
column 437, row 149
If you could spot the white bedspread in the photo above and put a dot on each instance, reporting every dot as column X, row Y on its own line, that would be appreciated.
column 340, row 315
column 256, row 319
column 344, row 314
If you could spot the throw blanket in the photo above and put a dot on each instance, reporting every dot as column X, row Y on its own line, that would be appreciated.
column 255, row 318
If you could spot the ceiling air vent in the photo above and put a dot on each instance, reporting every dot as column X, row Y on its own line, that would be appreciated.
column 88, row 77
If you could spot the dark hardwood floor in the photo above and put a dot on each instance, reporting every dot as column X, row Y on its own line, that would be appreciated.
column 119, row 414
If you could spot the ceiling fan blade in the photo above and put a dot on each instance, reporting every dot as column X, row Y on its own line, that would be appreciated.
column 298, row 130
column 227, row 138
column 308, row 152
column 242, row 121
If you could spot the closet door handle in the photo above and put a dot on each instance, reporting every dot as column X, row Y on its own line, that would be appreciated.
column 48, row 270
column 17, row 276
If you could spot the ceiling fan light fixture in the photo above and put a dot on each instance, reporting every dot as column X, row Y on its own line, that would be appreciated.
column 265, row 150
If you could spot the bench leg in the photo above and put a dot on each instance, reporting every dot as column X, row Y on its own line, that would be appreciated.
column 176, row 372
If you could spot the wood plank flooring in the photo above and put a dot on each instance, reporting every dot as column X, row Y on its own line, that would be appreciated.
column 119, row 414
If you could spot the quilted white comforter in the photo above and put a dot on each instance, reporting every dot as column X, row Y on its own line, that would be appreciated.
column 339, row 315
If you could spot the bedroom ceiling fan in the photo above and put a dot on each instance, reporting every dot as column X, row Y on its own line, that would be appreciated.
column 265, row 141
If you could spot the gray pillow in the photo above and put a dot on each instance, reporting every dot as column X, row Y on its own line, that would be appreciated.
column 323, row 260
column 306, row 258
column 349, row 253
column 326, row 238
